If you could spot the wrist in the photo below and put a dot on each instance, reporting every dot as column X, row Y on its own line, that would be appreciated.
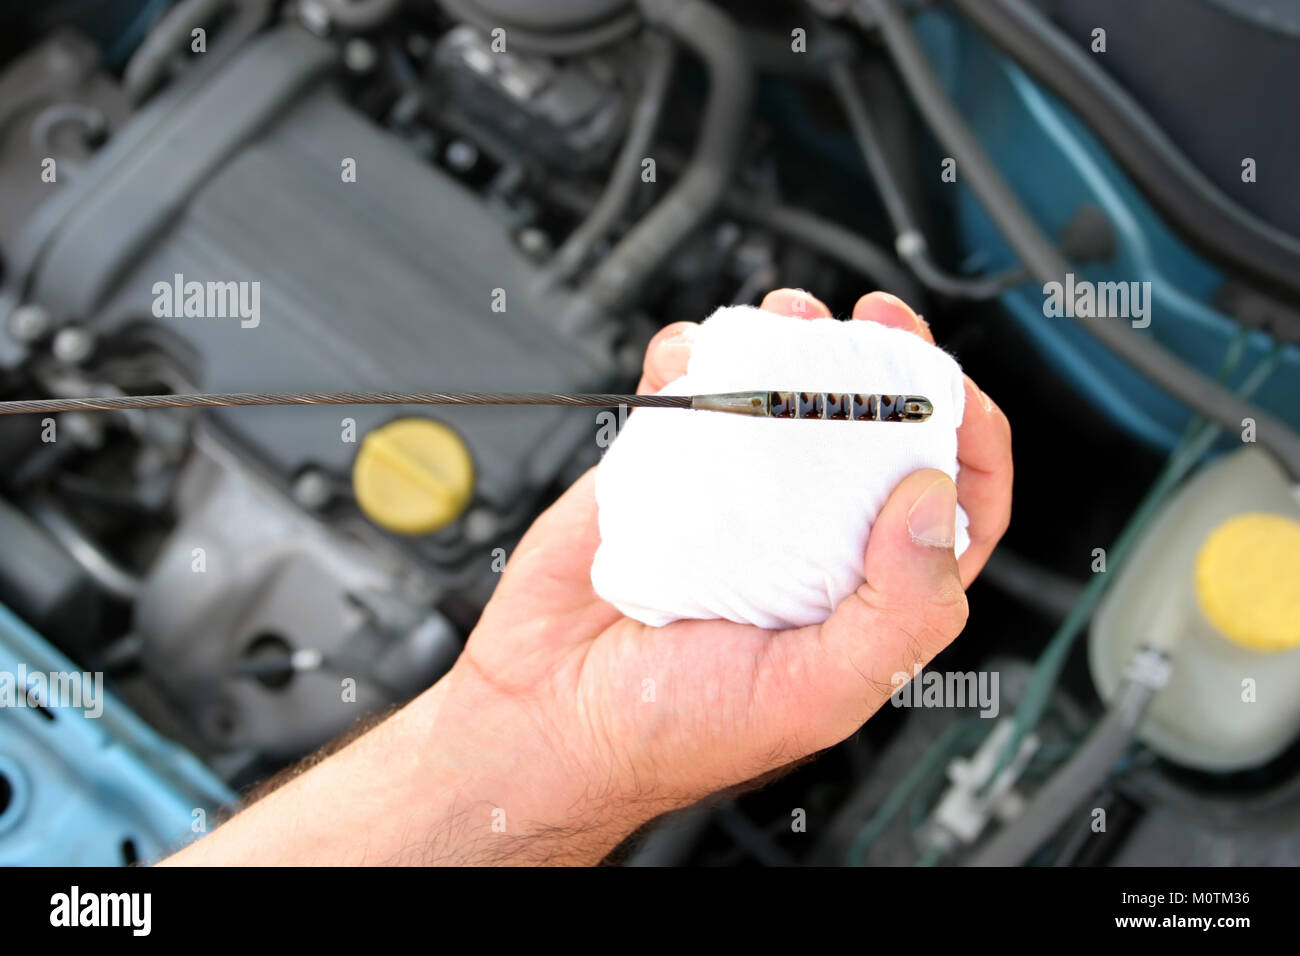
column 515, row 786
column 462, row 775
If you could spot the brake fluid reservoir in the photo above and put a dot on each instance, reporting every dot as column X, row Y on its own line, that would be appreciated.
column 1215, row 583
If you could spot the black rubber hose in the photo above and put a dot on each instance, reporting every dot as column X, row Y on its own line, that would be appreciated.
column 147, row 68
column 148, row 64
column 845, row 87
column 1072, row 784
column 1022, row 233
column 719, row 43
column 521, row 39
column 1207, row 218
column 1044, row 590
column 626, row 174
column 1045, row 263
column 354, row 16
column 829, row 238
column 910, row 242
column 913, row 249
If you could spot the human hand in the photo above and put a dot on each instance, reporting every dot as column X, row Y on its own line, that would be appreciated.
column 664, row 716
column 564, row 726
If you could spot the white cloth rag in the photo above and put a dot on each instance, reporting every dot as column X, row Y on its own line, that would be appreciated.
column 765, row 521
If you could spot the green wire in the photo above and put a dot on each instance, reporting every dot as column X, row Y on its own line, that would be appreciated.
column 931, row 857
column 1196, row 440
column 953, row 739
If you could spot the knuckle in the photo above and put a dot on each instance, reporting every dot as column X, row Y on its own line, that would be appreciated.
column 671, row 331
column 928, row 625
column 946, row 611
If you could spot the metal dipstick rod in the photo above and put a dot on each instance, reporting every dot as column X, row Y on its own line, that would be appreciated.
column 828, row 406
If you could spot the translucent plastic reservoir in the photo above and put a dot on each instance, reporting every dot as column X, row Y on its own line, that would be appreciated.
column 1215, row 583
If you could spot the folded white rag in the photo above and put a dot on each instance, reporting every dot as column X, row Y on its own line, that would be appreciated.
column 765, row 521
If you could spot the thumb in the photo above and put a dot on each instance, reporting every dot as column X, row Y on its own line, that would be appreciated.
column 910, row 607
column 910, row 566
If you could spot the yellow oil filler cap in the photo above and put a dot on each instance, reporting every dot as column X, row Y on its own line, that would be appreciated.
column 413, row 476
column 1248, row 580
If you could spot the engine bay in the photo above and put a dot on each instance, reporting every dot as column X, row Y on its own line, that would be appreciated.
column 489, row 195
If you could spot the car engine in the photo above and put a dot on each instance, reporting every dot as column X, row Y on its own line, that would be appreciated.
column 479, row 195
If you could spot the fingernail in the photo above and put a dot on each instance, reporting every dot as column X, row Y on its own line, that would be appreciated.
column 802, row 301
column 898, row 303
column 882, row 306
column 933, row 518
column 676, row 350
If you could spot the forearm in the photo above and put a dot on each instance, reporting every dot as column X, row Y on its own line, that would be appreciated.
column 461, row 775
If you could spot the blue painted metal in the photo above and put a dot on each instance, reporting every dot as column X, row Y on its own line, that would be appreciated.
column 89, row 790
column 1056, row 165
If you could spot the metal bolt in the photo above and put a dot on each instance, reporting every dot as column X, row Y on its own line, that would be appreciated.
column 85, row 430
column 314, row 16
column 461, row 156
column 73, row 345
column 535, row 243
column 29, row 322
column 313, row 489
column 359, row 55
column 480, row 525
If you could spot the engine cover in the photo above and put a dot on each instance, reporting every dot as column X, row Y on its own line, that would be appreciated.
column 399, row 279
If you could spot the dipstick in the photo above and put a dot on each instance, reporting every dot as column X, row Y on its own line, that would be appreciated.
column 829, row 406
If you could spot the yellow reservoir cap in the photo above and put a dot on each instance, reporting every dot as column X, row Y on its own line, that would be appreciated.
column 413, row 476
column 1248, row 580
